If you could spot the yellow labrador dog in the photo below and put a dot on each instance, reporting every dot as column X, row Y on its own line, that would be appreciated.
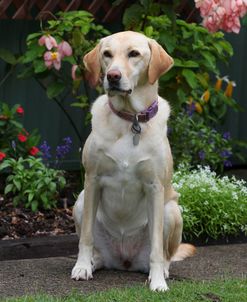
column 128, row 216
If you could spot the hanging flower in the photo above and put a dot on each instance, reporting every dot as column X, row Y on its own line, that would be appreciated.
column 64, row 49
column 198, row 107
column 218, row 84
column 52, row 58
column 206, row 96
column 33, row 151
column 22, row 138
column 20, row 111
column 229, row 89
column 2, row 156
column 48, row 41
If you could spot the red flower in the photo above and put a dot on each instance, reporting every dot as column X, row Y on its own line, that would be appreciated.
column 33, row 151
column 21, row 137
column 2, row 156
column 20, row 110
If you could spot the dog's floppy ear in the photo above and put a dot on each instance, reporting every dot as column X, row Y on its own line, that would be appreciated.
column 92, row 64
column 160, row 61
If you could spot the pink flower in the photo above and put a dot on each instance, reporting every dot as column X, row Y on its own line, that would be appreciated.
column 48, row 41
column 52, row 58
column 64, row 49
column 222, row 14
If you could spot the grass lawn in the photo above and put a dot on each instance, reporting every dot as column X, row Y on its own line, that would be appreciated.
column 234, row 290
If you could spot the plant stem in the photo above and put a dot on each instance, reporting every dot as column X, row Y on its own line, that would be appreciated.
column 7, row 75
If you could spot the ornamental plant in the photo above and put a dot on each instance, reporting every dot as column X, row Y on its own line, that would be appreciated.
column 60, row 153
column 212, row 206
column 195, row 85
column 31, row 183
column 15, row 140
column 198, row 144
column 53, row 57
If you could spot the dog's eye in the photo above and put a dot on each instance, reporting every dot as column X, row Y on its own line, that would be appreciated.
column 133, row 54
column 107, row 54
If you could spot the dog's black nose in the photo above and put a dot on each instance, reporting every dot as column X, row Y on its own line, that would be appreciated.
column 114, row 76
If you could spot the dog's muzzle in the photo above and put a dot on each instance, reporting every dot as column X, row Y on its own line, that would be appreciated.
column 114, row 77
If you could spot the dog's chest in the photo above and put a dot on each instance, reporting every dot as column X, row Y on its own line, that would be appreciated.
column 118, row 166
column 123, row 170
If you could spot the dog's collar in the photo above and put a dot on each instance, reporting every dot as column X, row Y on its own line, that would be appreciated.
column 142, row 117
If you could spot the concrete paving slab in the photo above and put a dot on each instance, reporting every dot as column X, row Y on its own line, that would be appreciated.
column 52, row 275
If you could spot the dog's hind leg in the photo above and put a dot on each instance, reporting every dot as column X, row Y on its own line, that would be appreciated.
column 172, row 234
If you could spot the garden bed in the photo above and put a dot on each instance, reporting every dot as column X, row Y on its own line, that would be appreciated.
column 19, row 222
column 52, row 232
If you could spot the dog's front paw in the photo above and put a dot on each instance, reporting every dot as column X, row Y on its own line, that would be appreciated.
column 158, row 285
column 82, row 272
column 156, row 279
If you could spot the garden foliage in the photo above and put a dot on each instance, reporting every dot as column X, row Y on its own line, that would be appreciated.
column 31, row 183
column 194, row 86
column 15, row 141
column 212, row 206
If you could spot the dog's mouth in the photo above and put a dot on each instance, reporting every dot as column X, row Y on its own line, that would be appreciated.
column 116, row 90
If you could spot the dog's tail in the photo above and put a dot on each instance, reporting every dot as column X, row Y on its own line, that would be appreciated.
column 184, row 250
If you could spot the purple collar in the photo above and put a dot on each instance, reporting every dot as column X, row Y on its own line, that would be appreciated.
column 142, row 117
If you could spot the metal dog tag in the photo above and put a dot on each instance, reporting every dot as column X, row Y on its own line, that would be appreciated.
column 136, row 139
column 136, row 129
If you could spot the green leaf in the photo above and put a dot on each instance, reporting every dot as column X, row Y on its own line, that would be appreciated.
column 16, row 124
column 244, row 20
column 16, row 200
column 17, row 184
column 202, row 80
column 8, row 189
column 30, row 196
column 132, row 16
column 7, row 56
column 168, row 40
column 32, row 36
column 54, row 89
column 148, row 31
column 79, row 105
column 34, row 205
column 181, row 96
column 39, row 66
column 4, row 165
column 210, row 59
column 190, row 77
column 188, row 64
column 35, row 51
column 53, row 187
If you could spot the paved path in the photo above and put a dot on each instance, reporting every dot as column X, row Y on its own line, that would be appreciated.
column 52, row 275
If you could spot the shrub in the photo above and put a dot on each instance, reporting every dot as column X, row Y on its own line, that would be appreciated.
column 32, row 183
column 213, row 206
column 198, row 144
column 15, row 141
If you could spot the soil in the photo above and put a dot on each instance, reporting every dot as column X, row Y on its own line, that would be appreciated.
column 20, row 222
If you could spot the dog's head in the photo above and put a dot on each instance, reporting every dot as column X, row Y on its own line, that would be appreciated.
column 125, row 60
